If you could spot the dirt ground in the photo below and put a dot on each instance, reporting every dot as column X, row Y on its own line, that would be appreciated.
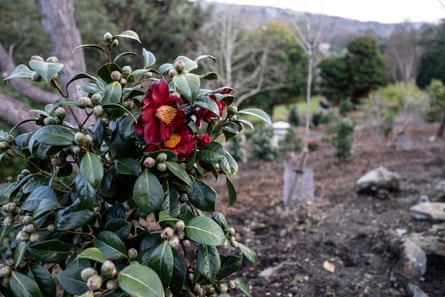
column 342, row 243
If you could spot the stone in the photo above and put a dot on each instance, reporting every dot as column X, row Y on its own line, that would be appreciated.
column 377, row 181
column 412, row 263
column 415, row 291
column 430, row 211
column 432, row 241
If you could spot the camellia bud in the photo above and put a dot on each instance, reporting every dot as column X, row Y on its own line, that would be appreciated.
column 167, row 233
column 223, row 288
column 98, row 111
column 30, row 228
column 22, row 236
column 50, row 121
column 88, row 272
column 115, row 43
column 126, row 70
column 88, row 139
column 132, row 253
column 27, row 220
column 180, row 225
column 162, row 167
column 76, row 149
column 8, row 221
column 116, row 75
column 11, row 207
column 162, row 157
column 85, row 102
column 10, row 138
column 51, row 228
column 52, row 59
column 172, row 72
column 174, row 241
column 179, row 66
column 60, row 112
column 111, row 284
column 232, row 284
column 108, row 269
column 37, row 58
column 79, row 138
column 3, row 145
column 5, row 271
column 96, row 98
column 34, row 237
column 94, row 282
column 108, row 37
column 149, row 162
column 231, row 110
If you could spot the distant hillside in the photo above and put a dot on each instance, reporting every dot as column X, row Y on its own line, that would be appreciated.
column 341, row 30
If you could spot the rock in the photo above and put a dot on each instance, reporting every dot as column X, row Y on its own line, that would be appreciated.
column 415, row 291
column 432, row 242
column 378, row 181
column 412, row 263
column 431, row 211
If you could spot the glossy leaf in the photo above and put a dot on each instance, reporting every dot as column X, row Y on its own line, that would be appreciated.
column 46, row 70
column 249, row 253
column 149, row 58
column 147, row 192
column 52, row 135
column 231, row 192
column 95, row 46
column 39, row 194
column 113, row 93
column 93, row 254
column 205, row 231
column 209, row 76
column 202, row 57
column 45, row 207
column 161, row 260
column 257, row 113
column 119, row 56
column 71, row 281
column 73, row 220
column 92, row 169
column 229, row 265
column 187, row 85
column 179, row 171
column 202, row 195
column 243, row 287
column 130, row 35
column 127, row 166
column 140, row 281
column 110, row 245
column 179, row 272
column 51, row 251
column 21, row 71
column 78, row 76
column 208, row 103
column 19, row 253
column 44, row 280
column 208, row 262
column 23, row 286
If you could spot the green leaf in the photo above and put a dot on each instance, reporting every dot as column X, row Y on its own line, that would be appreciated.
column 205, row 231
column 208, row 103
column 250, row 254
column 39, row 194
column 208, row 262
column 21, row 71
column 209, row 76
column 164, row 68
column 93, row 254
column 104, row 73
column 19, row 253
column 147, row 192
column 71, row 281
column 113, row 93
column 187, row 85
column 110, row 245
column 220, row 219
column 130, row 35
column 74, row 220
column 231, row 192
column 229, row 265
column 44, row 280
column 202, row 195
column 161, row 260
column 149, row 58
column 45, row 206
column 92, row 169
column 51, row 251
column 123, row 55
column 211, row 153
column 52, row 135
column 202, row 57
column 23, row 286
column 95, row 46
column 255, row 112
column 228, row 164
column 127, row 166
column 179, row 272
column 243, row 287
column 46, row 70
column 179, row 171
column 81, row 75
column 122, row 108
column 140, row 281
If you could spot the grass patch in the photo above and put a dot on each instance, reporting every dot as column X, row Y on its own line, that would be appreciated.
column 281, row 113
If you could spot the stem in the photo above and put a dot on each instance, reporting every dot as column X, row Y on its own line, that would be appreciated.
column 55, row 84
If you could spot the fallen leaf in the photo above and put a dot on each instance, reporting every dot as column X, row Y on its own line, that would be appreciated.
column 329, row 266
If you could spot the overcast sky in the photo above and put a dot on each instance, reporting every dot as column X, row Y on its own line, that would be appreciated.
column 385, row 11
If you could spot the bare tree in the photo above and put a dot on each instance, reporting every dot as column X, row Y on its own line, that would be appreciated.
column 59, row 23
column 243, row 58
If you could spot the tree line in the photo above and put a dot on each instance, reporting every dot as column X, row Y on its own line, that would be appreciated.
column 266, row 65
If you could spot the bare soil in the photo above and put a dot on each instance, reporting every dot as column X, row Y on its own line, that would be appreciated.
column 342, row 243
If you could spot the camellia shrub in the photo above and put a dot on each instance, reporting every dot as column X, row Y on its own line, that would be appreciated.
column 113, row 200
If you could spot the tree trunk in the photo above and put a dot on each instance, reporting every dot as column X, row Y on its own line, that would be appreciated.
column 60, row 25
column 16, row 111
column 442, row 126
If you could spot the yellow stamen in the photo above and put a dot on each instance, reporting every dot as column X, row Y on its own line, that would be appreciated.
column 166, row 114
column 173, row 141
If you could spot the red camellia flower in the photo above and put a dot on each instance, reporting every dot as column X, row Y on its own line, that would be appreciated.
column 202, row 140
column 206, row 115
column 181, row 142
column 160, row 115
